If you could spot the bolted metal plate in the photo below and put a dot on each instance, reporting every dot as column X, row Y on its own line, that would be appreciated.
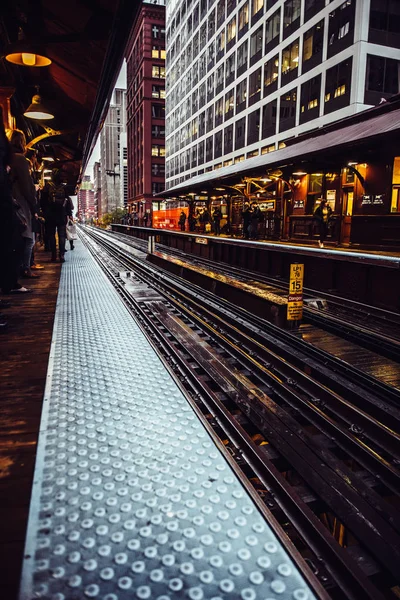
column 132, row 498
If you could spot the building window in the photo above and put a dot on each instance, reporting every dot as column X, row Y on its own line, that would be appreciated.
column 209, row 148
column 158, row 111
column 157, row 150
column 157, row 188
column 229, row 104
column 255, row 86
column 287, row 111
column 243, row 19
column 228, row 139
column 337, row 87
column 313, row 42
column 242, row 55
column 202, row 123
column 220, row 44
column 220, row 13
column 341, row 28
column 271, row 72
column 158, row 72
column 157, row 131
column 382, row 78
column 291, row 16
column 256, row 7
column 312, row 7
column 290, row 61
column 158, row 170
column 384, row 23
column 309, row 99
column 231, row 32
column 158, row 92
column 241, row 94
column 272, row 31
column 240, row 133
column 210, row 118
column 211, row 24
column 158, row 32
column 256, row 44
column 219, row 80
column 253, row 127
column 230, row 69
column 219, row 112
column 218, row 144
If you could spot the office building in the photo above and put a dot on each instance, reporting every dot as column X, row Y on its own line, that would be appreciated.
column 145, row 57
column 86, row 202
column 97, row 188
column 246, row 77
column 111, row 153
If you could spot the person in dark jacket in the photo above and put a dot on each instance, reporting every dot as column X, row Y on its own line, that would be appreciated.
column 246, row 214
column 24, row 192
column 59, row 210
column 182, row 221
column 11, row 242
column 216, row 217
column 322, row 215
column 255, row 218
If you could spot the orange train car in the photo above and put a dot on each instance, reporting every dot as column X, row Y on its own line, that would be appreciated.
column 166, row 214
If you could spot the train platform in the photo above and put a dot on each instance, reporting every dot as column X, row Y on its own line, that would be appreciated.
column 24, row 354
column 133, row 496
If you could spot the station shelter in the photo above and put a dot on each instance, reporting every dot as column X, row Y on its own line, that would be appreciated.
column 354, row 164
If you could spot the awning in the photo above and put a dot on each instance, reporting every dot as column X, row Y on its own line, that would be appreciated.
column 85, row 39
column 369, row 130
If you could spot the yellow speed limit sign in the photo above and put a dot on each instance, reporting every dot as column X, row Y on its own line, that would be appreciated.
column 295, row 298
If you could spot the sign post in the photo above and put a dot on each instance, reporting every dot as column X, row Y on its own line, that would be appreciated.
column 151, row 246
column 295, row 297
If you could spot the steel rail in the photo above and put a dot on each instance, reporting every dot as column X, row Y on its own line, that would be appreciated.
column 346, row 573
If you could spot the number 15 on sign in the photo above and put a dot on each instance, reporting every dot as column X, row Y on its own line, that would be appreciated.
column 295, row 298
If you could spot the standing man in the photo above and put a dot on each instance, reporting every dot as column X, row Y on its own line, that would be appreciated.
column 182, row 220
column 59, row 210
column 217, row 220
column 246, row 215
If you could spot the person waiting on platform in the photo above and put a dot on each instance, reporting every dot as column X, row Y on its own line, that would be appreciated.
column 182, row 221
column 255, row 218
column 322, row 215
column 246, row 213
column 216, row 216
column 135, row 219
column 59, row 209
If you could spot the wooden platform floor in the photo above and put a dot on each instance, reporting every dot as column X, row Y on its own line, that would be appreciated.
column 24, row 351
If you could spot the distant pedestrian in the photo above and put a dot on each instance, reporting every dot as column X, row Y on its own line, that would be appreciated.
column 246, row 214
column 182, row 220
column 216, row 216
column 255, row 218
column 135, row 219
column 322, row 215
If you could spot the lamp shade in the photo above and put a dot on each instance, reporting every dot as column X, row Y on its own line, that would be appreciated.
column 26, row 55
column 37, row 110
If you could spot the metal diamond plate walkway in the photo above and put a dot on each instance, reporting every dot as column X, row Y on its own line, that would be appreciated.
column 132, row 498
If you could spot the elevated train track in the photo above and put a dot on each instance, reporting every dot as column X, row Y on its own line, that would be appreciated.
column 321, row 450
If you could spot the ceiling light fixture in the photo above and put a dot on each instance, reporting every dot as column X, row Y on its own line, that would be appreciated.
column 24, row 54
column 37, row 110
column 299, row 173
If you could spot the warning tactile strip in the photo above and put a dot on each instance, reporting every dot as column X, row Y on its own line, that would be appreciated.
column 132, row 498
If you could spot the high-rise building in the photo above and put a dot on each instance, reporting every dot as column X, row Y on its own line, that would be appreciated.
column 145, row 56
column 123, row 169
column 111, row 152
column 97, row 188
column 86, row 204
column 244, row 77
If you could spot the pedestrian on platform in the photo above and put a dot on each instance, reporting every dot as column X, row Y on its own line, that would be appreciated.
column 322, row 215
column 217, row 216
column 246, row 214
column 60, row 209
column 24, row 192
column 11, row 226
column 182, row 220
column 255, row 218
column 135, row 219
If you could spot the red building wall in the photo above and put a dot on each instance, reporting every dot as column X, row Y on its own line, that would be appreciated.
column 145, row 56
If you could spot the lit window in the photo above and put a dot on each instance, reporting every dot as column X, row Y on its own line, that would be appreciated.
column 313, row 103
column 340, row 91
column 327, row 97
column 155, row 53
column 256, row 6
column 231, row 30
column 154, row 150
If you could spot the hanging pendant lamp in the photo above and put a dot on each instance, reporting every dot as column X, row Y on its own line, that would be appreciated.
column 37, row 110
column 25, row 54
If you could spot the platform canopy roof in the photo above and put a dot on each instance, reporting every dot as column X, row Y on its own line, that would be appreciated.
column 85, row 40
column 358, row 138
